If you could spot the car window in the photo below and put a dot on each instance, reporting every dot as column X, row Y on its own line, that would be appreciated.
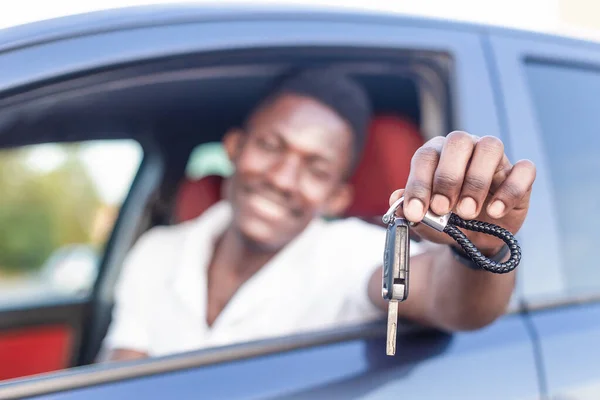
column 208, row 159
column 566, row 102
column 58, row 206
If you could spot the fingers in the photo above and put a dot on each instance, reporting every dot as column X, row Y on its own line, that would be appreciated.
column 420, row 180
column 514, row 192
column 486, row 160
column 502, row 172
column 450, row 172
column 459, row 173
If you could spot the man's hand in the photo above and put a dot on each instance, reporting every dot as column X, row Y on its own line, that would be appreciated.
column 472, row 177
column 121, row 355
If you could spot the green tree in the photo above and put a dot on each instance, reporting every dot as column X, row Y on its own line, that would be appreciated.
column 42, row 211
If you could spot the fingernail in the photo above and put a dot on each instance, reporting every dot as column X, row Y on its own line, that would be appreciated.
column 414, row 210
column 496, row 209
column 467, row 207
column 440, row 204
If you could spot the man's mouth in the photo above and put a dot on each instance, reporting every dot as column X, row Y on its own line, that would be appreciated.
column 266, row 207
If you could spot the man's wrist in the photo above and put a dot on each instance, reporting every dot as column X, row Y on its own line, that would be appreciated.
column 464, row 259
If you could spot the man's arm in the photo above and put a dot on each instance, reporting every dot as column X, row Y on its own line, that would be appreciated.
column 122, row 355
column 444, row 293
column 127, row 337
column 447, row 295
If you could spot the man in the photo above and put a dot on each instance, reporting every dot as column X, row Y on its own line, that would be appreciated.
column 265, row 263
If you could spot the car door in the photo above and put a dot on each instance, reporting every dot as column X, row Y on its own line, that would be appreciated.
column 495, row 362
column 58, row 206
column 550, row 92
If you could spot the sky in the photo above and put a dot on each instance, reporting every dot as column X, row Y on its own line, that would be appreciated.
column 541, row 15
column 112, row 166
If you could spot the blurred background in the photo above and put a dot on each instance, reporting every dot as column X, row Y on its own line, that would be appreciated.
column 58, row 204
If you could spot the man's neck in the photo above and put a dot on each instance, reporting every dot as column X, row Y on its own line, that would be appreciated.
column 236, row 257
column 232, row 264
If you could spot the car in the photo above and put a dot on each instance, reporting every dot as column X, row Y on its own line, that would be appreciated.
column 161, row 84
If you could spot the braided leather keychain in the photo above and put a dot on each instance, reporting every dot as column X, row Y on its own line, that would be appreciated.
column 449, row 224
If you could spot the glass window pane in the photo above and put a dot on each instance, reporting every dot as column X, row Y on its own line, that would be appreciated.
column 568, row 112
column 58, row 207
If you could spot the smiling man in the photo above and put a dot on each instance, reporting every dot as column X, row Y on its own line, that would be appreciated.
column 264, row 262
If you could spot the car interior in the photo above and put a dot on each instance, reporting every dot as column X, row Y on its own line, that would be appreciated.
column 171, row 107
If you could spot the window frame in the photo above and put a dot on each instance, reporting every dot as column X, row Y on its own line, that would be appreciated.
column 543, row 285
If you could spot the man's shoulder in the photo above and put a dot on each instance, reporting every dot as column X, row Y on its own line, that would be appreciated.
column 152, row 256
column 353, row 225
column 159, row 246
column 162, row 235
column 158, row 243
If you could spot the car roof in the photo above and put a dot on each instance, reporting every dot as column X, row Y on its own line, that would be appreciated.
column 126, row 18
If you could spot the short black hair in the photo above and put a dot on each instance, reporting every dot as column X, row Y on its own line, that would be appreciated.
column 335, row 89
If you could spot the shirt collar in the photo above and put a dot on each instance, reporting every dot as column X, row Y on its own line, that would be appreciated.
column 189, row 281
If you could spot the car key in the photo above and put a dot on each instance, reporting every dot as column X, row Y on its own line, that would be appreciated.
column 396, row 255
column 395, row 274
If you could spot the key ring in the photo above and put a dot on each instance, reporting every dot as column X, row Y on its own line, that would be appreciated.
column 449, row 224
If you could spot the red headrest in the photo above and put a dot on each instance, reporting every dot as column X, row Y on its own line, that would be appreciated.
column 384, row 167
column 385, row 164
column 195, row 196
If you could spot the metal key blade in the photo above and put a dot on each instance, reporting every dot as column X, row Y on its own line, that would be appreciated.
column 401, row 260
column 395, row 275
column 392, row 326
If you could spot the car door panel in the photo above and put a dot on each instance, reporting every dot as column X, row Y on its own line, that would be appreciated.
column 467, row 365
column 493, row 363
column 29, row 351
column 550, row 87
column 40, row 339
column 569, row 343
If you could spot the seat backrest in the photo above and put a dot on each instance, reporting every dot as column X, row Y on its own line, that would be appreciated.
column 196, row 196
column 384, row 167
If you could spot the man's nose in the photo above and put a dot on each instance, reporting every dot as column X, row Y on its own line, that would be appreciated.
column 284, row 175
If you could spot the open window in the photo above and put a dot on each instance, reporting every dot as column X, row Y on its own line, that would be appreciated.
column 179, row 108
column 195, row 105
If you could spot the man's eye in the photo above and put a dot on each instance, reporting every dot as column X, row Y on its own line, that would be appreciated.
column 269, row 145
column 320, row 173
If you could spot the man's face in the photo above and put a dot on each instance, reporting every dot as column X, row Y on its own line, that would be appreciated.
column 289, row 167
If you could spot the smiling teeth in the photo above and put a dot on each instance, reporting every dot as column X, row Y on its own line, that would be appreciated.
column 268, row 207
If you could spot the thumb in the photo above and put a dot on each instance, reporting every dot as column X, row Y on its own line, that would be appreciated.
column 393, row 198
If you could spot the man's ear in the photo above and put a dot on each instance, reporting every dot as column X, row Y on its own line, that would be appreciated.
column 232, row 142
column 340, row 201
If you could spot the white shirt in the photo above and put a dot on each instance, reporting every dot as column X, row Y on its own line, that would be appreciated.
column 317, row 281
